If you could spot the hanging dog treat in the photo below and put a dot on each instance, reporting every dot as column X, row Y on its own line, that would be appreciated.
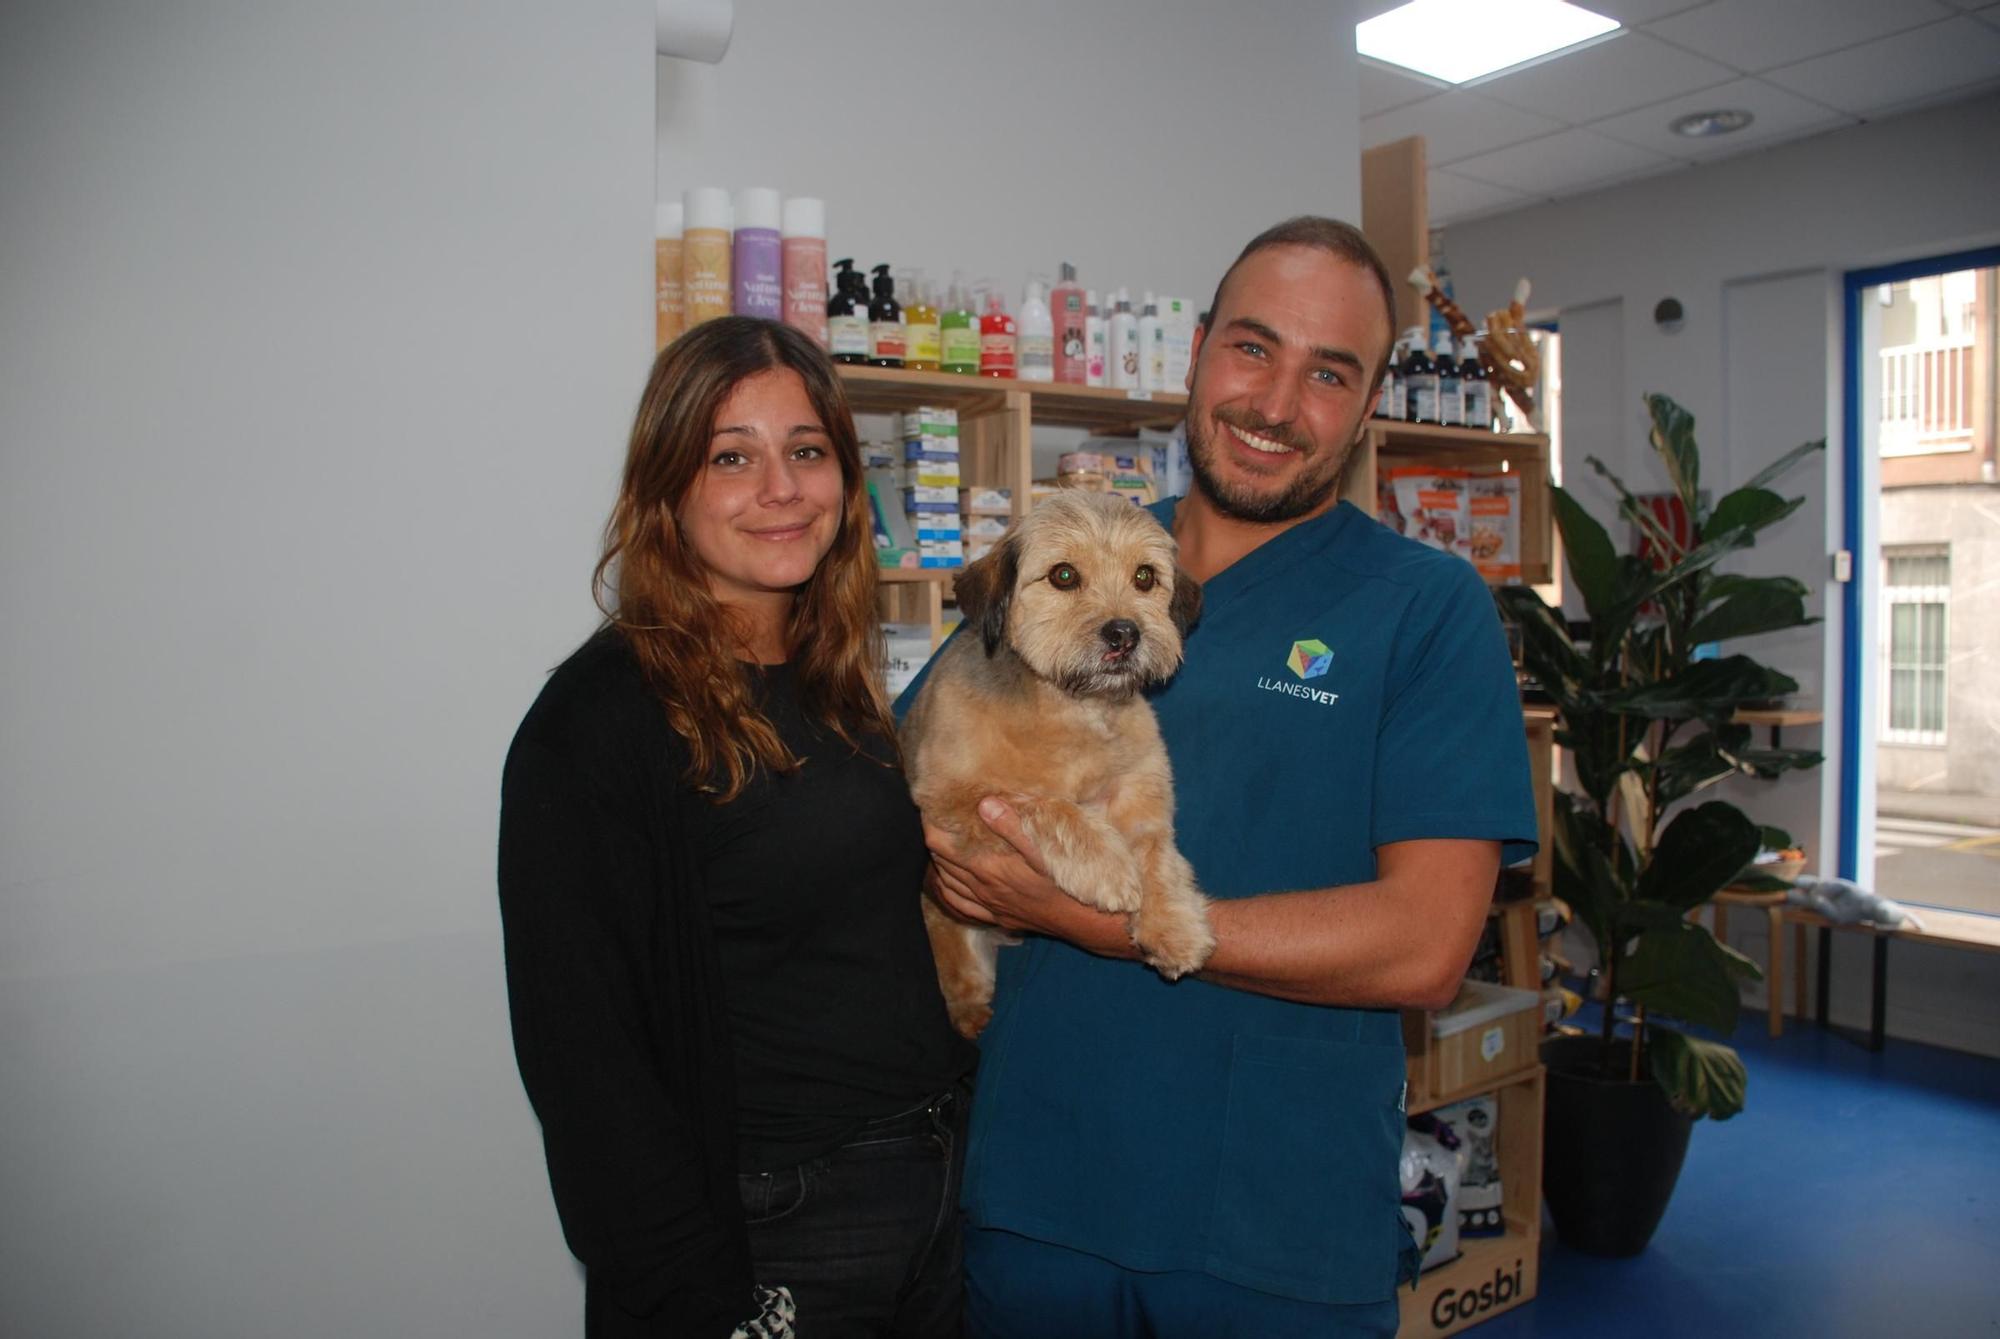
column 1507, row 351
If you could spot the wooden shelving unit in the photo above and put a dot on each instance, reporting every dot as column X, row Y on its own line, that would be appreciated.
column 1470, row 1289
column 1387, row 445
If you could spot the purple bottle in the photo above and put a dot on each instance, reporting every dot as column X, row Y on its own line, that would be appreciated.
column 759, row 259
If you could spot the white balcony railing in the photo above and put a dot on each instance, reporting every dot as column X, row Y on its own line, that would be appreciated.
column 1926, row 398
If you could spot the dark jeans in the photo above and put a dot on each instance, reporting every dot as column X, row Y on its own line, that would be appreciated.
column 868, row 1237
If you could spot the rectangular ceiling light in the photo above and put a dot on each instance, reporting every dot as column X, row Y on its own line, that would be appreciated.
column 1457, row 40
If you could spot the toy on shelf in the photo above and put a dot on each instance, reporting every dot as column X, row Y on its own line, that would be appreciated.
column 1505, row 348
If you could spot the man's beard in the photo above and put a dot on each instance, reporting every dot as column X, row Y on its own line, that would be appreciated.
column 1305, row 494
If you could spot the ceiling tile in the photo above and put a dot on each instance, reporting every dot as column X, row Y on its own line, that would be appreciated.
column 1626, row 71
column 1457, row 125
column 1756, row 35
column 1632, row 13
column 1453, row 198
column 1383, row 88
column 1555, row 164
column 1778, row 115
column 1908, row 67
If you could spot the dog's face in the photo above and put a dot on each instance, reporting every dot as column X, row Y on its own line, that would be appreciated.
column 1086, row 592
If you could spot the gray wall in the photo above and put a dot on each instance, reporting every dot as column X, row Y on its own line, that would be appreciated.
column 1144, row 140
column 1754, row 247
column 322, row 328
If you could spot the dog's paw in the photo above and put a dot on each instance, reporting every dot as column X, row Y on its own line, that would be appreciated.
column 1174, row 944
column 970, row 1017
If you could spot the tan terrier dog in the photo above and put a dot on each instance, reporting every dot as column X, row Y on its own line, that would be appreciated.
column 1038, row 699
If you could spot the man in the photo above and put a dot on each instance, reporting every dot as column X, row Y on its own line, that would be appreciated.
column 1219, row 1156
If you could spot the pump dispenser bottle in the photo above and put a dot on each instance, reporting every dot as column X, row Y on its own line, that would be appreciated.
column 887, row 336
column 847, row 316
column 958, row 332
column 920, row 322
column 996, row 337
column 1421, row 378
column 1124, row 369
column 1035, row 345
column 1094, row 338
column 1451, row 396
column 1066, row 307
column 1475, row 386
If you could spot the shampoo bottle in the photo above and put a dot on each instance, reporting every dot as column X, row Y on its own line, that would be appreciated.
column 1066, row 306
column 847, row 316
column 1451, row 397
column 1124, row 371
column 1035, row 345
column 1152, row 347
column 1420, row 378
column 958, row 332
column 996, row 337
column 758, row 263
column 1093, row 341
column 1476, row 386
column 887, row 336
column 705, row 284
column 920, row 321
column 804, row 265
column 670, row 313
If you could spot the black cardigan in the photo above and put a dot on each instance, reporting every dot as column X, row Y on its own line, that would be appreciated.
column 615, row 991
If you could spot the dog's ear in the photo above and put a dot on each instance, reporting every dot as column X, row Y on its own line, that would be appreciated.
column 986, row 587
column 1185, row 607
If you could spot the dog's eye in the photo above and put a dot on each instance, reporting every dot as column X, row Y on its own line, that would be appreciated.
column 1144, row 578
column 1064, row 577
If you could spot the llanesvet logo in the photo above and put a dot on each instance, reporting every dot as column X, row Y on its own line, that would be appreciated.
column 1309, row 659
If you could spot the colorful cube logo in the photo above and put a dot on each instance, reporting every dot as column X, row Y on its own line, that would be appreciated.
column 1310, row 659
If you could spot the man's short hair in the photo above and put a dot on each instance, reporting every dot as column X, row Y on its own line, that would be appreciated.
column 1331, row 235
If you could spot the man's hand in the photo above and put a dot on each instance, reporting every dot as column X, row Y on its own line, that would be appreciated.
column 1011, row 888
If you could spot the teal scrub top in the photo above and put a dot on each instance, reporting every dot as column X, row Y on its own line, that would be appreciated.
column 1345, row 688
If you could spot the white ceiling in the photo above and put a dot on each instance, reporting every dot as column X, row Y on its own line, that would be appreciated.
column 1597, row 116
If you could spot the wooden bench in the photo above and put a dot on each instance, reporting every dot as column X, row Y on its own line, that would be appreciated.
column 1953, row 929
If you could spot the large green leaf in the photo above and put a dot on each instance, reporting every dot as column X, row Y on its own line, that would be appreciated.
column 1701, row 851
column 1698, row 763
column 1637, row 512
column 1768, row 763
column 1682, row 972
column 1546, row 648
column 1751, row 610
column 1751, row 508
column 1785, row 462
column 1701, row 1077
column 1728, row 585
column 1593, row 563
column 1673, row 438
column 1774, row 839
column 1585, row 877
column 1709, row 689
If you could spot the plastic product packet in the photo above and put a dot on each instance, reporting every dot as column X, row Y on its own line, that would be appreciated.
column 1476, row 1122
column 1430, row 1174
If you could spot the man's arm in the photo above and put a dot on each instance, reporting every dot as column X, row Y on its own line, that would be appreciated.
column 1402, row 940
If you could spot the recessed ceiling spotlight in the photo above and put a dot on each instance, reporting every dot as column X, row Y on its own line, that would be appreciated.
column 1703, row 125
column 1458, row 40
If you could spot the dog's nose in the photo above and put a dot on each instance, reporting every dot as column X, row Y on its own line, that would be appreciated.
column 1120, row 634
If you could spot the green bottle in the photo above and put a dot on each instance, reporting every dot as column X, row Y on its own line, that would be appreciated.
column 958, row 332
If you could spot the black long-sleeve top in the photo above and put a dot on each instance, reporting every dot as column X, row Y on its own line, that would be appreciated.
column 617, row 882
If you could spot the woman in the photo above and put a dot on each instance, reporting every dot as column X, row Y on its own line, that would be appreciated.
column 724, row 1005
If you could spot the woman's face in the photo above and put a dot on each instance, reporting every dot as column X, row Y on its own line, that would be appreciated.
column 766, row 505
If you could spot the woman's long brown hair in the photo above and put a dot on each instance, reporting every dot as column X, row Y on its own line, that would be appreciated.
column 659, row 596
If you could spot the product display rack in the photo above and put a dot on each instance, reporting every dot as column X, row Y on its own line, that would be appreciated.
column 1491, row 1274
column 996, row 419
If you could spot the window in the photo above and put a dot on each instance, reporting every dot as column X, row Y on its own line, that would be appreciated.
column 1916, row 591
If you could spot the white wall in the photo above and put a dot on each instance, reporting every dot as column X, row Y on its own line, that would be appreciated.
column 1144, row 140
column 322, row 329
column 1755, row 248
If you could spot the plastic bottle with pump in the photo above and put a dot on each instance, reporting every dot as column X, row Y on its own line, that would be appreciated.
column 1035, row 340
column 1451, row 396
column 996, row 337
column 1152, row 346
column 1095, row 339
column 1066, row 306
column 1475, row 386
column 847, row 316
column 1124, row 367
column 888, row 338
column 1421, row 378
column 958, row 332
column 920, row 319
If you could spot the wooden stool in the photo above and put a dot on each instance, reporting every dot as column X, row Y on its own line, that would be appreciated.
column 1773, row 905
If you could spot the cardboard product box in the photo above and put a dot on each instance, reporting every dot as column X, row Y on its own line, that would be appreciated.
column 921, row 497
column 988, row 528
column 895, row 538
column 1488, row 1032
column 929, row 421
column 908, row 646
column 986, row 501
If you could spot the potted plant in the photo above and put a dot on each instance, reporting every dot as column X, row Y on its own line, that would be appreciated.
column 1646, row 715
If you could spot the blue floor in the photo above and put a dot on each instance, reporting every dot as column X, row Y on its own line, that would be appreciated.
column 1857, row 1194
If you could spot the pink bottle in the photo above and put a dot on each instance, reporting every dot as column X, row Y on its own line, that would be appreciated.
column 804, row 247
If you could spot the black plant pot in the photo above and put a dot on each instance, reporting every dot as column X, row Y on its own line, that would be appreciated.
column 1612, row 1150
